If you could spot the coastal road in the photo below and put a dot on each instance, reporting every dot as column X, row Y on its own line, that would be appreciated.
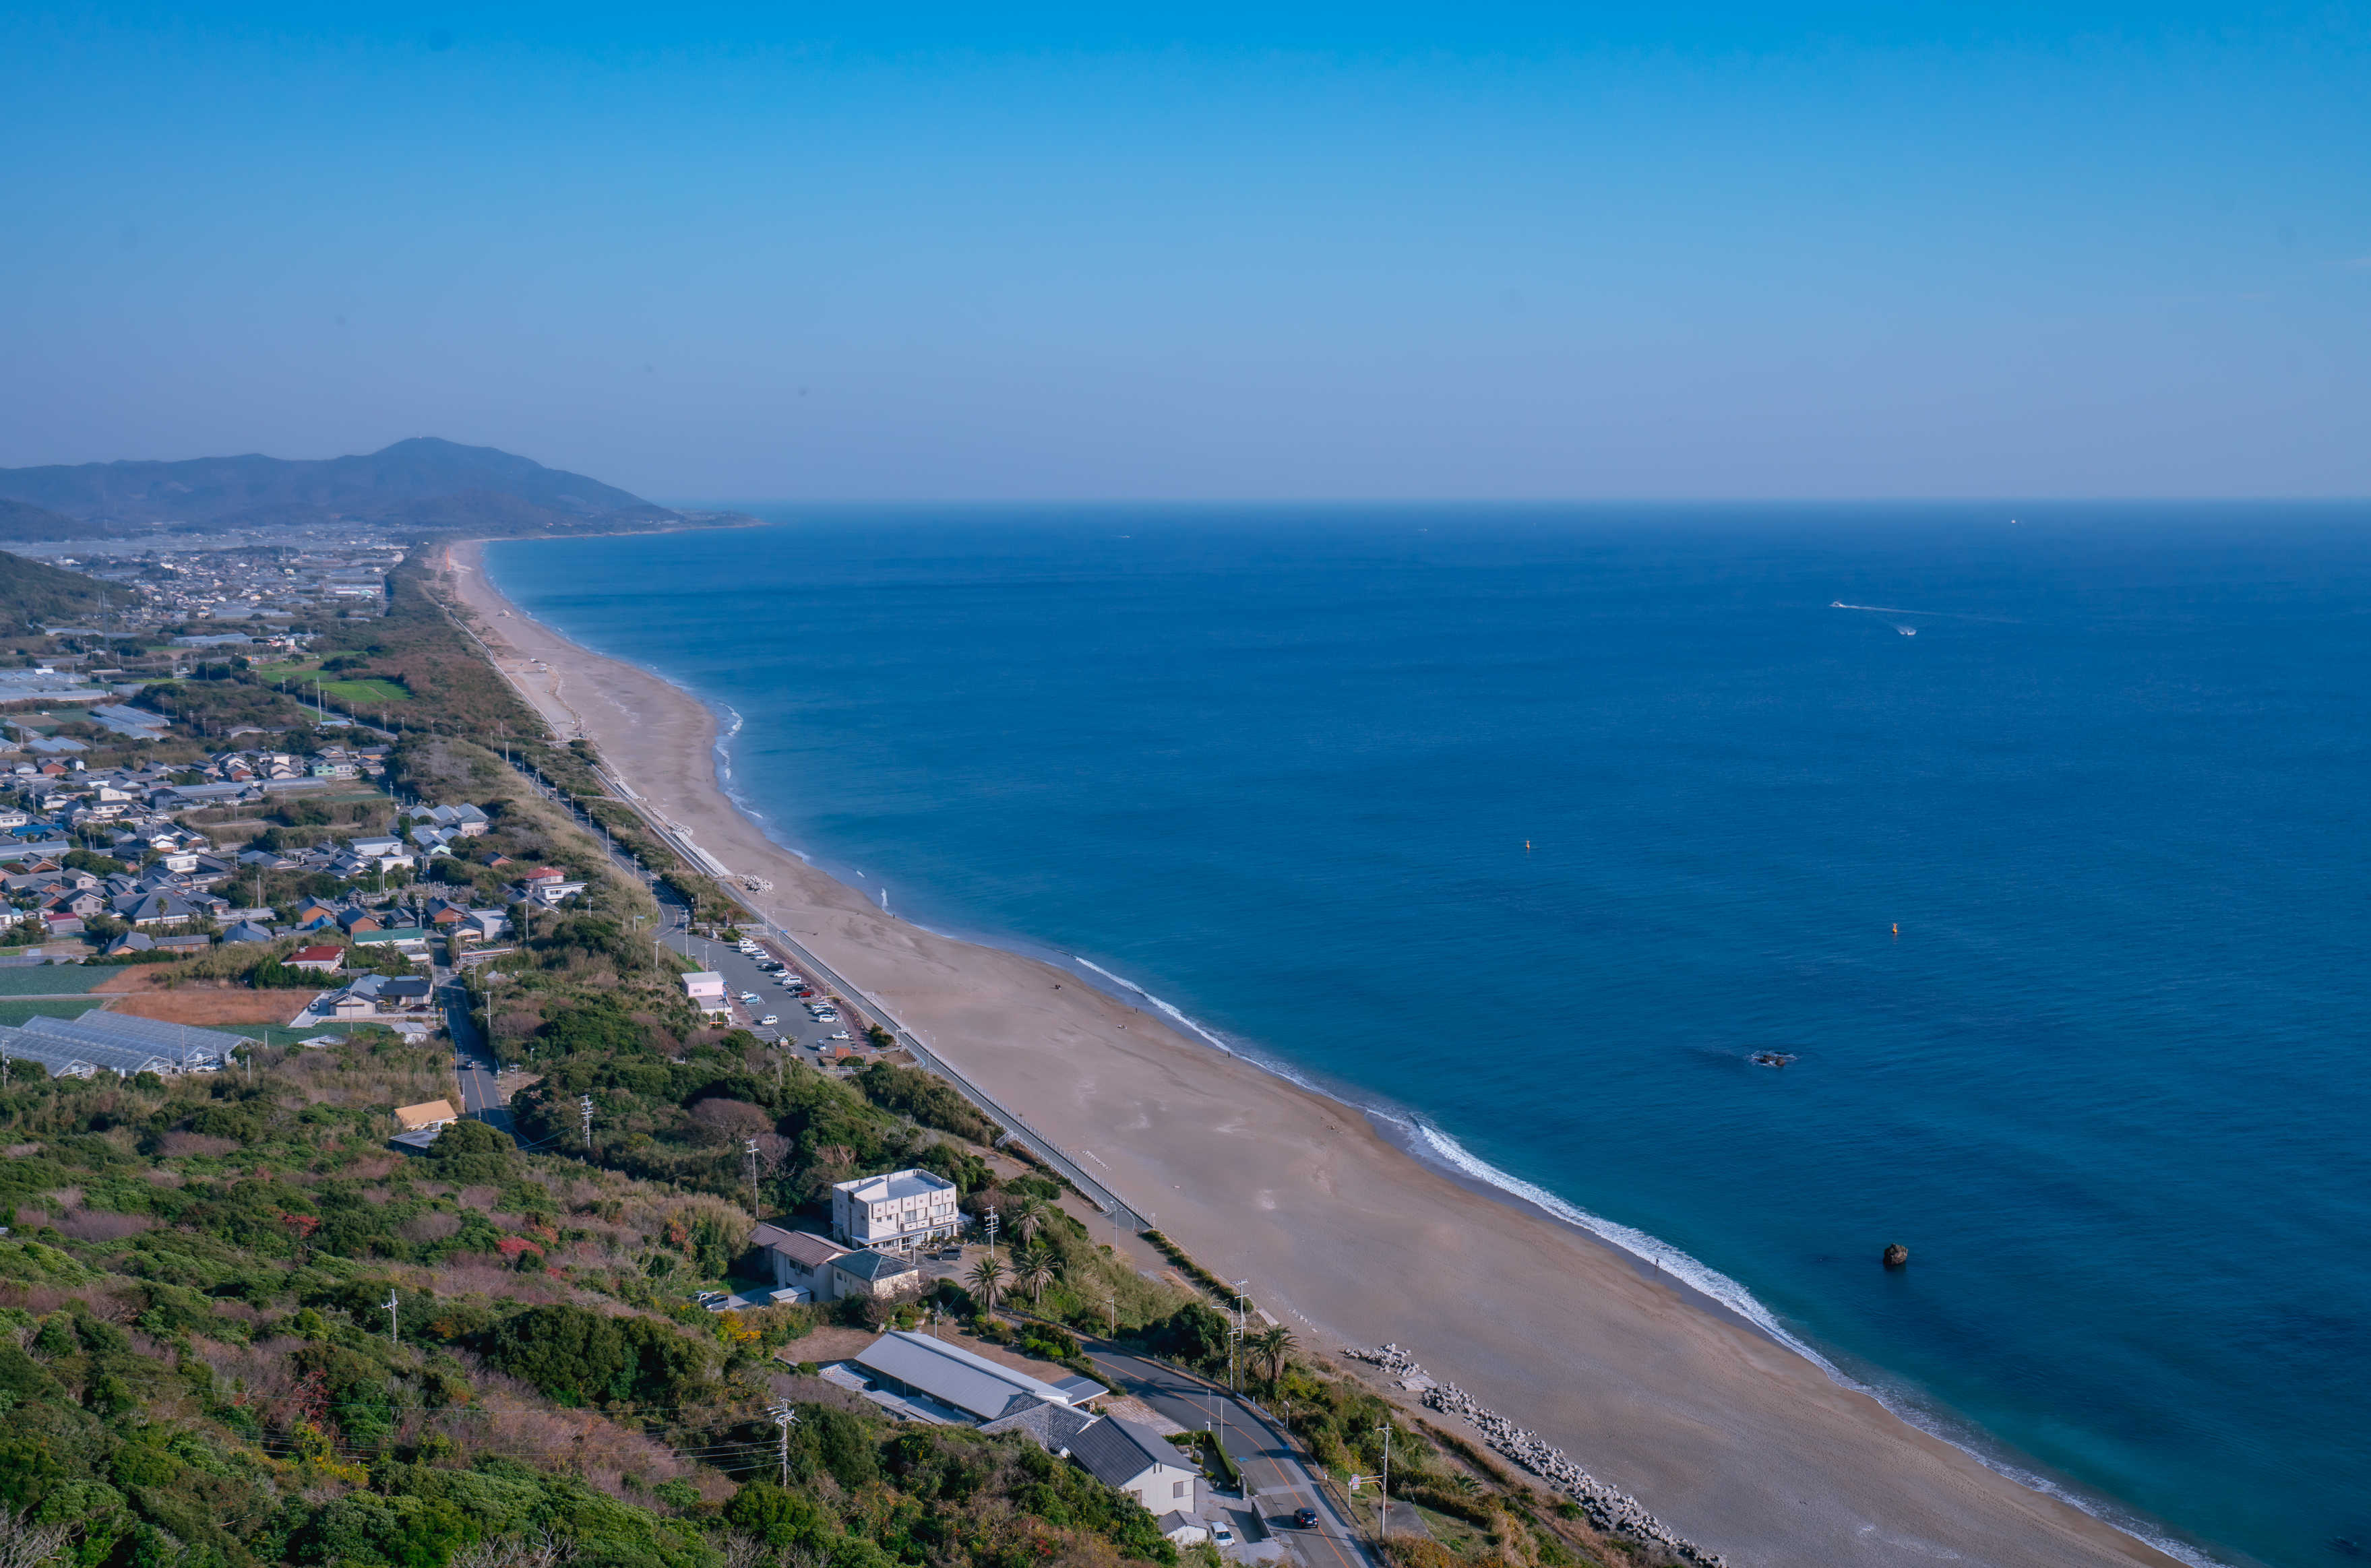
column 1276, row 1479
column 473, row 1059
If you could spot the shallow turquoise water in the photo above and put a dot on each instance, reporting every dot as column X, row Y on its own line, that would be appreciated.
column 1279, row 766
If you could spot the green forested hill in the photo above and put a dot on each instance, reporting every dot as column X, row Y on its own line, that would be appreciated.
column 32, row 594
column 19, row 520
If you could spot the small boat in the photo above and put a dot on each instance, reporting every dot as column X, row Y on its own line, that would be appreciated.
column 1771, row 1058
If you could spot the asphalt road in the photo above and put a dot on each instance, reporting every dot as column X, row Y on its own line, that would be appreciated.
column 1276, row 1482
column 473, row 1059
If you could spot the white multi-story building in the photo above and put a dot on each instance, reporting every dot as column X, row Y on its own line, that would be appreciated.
column 898, row 1212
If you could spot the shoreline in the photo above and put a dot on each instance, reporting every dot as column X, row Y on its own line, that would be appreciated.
column 1735, row 1436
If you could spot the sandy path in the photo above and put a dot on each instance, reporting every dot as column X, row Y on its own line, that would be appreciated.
column 1733, row 1440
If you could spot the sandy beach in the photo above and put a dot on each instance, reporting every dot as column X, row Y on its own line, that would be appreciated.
column 1733, row 1440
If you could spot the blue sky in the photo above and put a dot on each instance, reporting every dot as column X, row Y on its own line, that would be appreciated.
column 1455, row 250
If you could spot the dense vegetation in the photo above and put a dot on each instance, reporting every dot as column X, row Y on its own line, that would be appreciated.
column 199, row 1366
column 32, row 594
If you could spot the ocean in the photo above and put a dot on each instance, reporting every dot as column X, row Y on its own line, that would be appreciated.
column 2038, row 835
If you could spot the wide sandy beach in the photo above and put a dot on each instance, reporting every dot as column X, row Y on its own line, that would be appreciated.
column 1736, row 1442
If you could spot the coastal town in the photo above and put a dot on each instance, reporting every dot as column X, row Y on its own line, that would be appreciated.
column 379, row 894
column 207, row 904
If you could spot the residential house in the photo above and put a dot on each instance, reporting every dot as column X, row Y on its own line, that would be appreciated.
column 312, row 915
column 149, row 911
column 1130, row 1457
column 800, row 1259
column 874, row 1276
column 900, row 1211
column 355, row 920
column 320, row 960
column 547, row 886
column 247, row 931
column 421, row 1117
column 392, row 993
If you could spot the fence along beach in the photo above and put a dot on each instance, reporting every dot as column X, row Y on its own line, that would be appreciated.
column 1731, row 1439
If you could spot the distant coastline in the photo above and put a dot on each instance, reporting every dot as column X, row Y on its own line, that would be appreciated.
column 2062, row 1533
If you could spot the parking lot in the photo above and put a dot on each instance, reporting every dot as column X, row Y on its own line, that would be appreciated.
column 743, row 978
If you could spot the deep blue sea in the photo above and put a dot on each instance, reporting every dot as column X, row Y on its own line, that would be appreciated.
column 1440, row 805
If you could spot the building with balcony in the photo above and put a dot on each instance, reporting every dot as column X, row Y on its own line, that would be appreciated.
column 896, row 1213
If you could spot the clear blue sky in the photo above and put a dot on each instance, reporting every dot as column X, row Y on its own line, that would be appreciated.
column 1206, row 250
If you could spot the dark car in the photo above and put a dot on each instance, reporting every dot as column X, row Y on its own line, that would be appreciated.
column 1304, row 1519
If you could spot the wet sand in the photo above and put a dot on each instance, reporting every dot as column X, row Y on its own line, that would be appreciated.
column 1734, row 1441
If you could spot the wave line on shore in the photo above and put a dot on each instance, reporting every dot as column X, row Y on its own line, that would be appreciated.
column 1168, row 1012
column 1717, row 1286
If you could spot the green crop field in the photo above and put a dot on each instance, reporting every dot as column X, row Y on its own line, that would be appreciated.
column 365, row 691
column 53, row 979
column 14, row 1014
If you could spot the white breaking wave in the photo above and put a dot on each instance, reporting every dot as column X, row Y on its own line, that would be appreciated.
column 1166, row 1009
column 1740, row 1300
column 724, row 747
column 1647, row 1249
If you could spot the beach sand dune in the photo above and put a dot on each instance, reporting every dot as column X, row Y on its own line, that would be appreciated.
column 1733, row 1440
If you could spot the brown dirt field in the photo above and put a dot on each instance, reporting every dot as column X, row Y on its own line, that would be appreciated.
column 201, row 1006
column 149, row 978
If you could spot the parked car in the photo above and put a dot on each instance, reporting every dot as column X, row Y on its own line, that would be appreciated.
column 842, row 1035
column 769, row 1021
column 1304, row 1519
column 1221, row 1536
column 748, row 995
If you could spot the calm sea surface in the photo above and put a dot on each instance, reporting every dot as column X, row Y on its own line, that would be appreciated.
column 1537, row 823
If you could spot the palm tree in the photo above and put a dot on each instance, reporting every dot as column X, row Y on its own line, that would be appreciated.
column 1275, row 1344
column 1029, row 1220
column 986, row 1279
column 1033, row 1271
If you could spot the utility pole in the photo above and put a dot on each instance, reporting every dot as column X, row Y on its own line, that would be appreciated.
column 785, row 1418
column 585, row 1106
column 749, row 1147
column 1383, row 1504
column 991, row 1232
column 389, row 1304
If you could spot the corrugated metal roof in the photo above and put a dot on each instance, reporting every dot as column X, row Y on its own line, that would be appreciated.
column 951, row 1374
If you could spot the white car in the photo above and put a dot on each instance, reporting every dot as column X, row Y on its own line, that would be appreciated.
column 769, row 1021
column 841, row 1035
column 749, row 996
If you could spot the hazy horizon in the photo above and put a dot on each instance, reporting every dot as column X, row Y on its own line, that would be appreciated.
column 1809, row 252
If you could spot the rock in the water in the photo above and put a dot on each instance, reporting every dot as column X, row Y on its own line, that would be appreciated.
column 1896, row 1255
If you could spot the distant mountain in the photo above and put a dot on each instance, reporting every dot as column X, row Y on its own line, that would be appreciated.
column 423, row 482
column 33, row 595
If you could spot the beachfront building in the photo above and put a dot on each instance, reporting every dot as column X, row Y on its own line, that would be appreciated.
column 898, row 1212
column 706, row 990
